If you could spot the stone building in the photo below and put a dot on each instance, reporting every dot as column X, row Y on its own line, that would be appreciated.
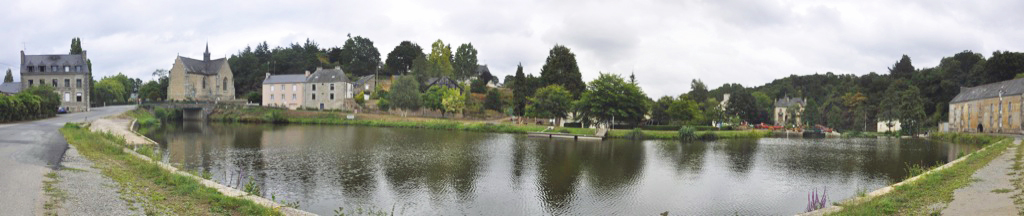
column 989, row 108
column 68, row 73
column 201, row 80
column 328, row 89
column 782, row 114
column 285, row 90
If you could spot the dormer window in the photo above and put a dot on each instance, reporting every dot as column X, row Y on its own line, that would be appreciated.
column 30, row 68
column 78, row 68
column 67, row 68
column 42, row 68
column 54, row 68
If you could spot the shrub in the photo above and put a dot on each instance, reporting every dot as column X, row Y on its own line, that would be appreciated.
column 661, row 127
column 274, row 116
column 359, row 98
column 384, row 104
column 687, row 133
column 635, row 134
column 708, row 136
column 254, row 97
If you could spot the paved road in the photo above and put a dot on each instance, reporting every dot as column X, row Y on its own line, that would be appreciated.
column 981, row 198
column 28, row 150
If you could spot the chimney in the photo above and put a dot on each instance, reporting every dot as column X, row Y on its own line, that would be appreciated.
column 307, row 73
column 268, row 76
column 84, row 56
column 23, row 57
column 337, row 67
column 319, row 68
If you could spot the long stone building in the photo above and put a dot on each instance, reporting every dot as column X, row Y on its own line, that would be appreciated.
column 67, row 73
column 201, row 80
column 324, row 89
column 989, row 108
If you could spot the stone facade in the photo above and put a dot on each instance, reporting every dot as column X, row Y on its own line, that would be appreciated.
column 201, row 80
column 284, row 90
column 990, row 108
column 325, row 89
column 782, row 114
column 67, row 73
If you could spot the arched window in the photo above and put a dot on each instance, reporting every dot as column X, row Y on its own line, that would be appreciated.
column 204, row 82
column 225, row 84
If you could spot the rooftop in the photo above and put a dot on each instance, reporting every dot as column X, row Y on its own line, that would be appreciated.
column 10, row 88
column 991, row 90
column 285, row 78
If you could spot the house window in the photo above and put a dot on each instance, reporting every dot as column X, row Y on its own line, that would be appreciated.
column 78, row 96
column 67, row 97
column 314, row 87
column 67, row 68
column 294, row 87
column 67, row 83
column 293, row 97
column 271, row 87
column 30, row 83
column 54, row 81
column 78, row 83
column 30, row 68
column 42, row 68
column 332, row 96
column 271, row 96
column 332, row 86
column 78, row 68
column 204, row 82
column 225, row 84
column 314, row 96
column 282, row 97
column 348, row 94
column 54, row 68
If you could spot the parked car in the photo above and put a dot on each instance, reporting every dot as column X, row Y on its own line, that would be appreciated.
column 61, row 110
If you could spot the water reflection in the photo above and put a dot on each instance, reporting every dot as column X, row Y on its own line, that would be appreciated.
column 464, row 173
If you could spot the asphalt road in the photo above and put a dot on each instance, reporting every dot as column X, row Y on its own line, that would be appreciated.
column 28, row 150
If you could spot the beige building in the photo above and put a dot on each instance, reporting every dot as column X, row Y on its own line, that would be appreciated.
column 286, row 90
column 328, row 89
column 201, row 80
column 788, row 111
column 989, row 108
column 67, row 73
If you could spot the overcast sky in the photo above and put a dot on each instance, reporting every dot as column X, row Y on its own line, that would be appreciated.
column 666, row 43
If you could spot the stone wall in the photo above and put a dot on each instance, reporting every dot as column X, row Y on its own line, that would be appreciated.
column 994, row 115
column 186, row 86
column 290, row 95
column 332, row 98
column 67, row 87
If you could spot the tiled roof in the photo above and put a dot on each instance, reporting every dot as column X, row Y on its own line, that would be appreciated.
column 285, row 78
column 991, row 90
column 327, row 76
column 363, row 80
column 59, row 60
column 10, row 88
column 196, row 66
column 787, row 102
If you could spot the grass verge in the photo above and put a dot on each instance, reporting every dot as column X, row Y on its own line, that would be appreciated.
column 161, row 192
column 55, row 195
column 914, row 198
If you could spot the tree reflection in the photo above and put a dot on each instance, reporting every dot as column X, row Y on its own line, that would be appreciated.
column 613, row 164
column 687, row 156
column 740, row 153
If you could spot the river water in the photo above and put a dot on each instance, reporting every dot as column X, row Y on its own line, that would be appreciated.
column 436, row 172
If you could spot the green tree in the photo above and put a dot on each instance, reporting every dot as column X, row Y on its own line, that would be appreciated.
column 903, row 103
column 248, row 71
column 698, row 91
column 109, row 90
column 684, row 110
column 560, row 68
column 359, row 98
column 519, row 92
column 359, row 56
column 856, row 109
column 743, row 105
column 9, row 77
column 151, row 91
column 659, row 110
column 478, row 86
column 440, row 59
column 453, row 100
column 422, row 69
column 609, row 98
column 465, row 63
column 400, row 59
column 1003, row 65
column 903, row 69
column 76, row 46
column 493, row 100
column 405, row 94
column 433, row 98
column 551, row 102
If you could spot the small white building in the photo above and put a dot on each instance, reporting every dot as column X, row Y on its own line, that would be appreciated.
column 883, row 126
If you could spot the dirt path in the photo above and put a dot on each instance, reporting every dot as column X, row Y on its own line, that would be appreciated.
column 992, row 193
column 119, row 127
column 80, row 189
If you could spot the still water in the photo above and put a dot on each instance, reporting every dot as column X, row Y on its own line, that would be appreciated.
column 435, row 172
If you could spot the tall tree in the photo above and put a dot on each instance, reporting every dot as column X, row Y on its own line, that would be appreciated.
column 400, row 59
column 659, row 110
column 454, row 101
column 560, row 68
column 1003, row 65
column 551, row 102
column 684, row 110
column 9, row 77
column 903, row 69
column 743, row 105
column 519, row 92
column 440, row 58
column 493, row 100
column 609, row 97
column 405, row 94
column 359, row 57
column 76, row 46
column 698, row 91
column 465, row 63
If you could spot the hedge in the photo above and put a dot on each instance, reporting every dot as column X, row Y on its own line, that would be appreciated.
column 31, row 103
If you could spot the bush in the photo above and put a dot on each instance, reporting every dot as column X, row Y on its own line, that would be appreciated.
column 661, row 127
column 687, row 133
column 254, row 97
column 31, row 103
column 384, row 104
column 274, row 116
column 635, row 134
column 359, row 98
column 708, row 136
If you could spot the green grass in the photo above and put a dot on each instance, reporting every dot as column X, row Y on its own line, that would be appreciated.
column 55, row 195
column 915, row 197
column 159, row 191
column 147, row 121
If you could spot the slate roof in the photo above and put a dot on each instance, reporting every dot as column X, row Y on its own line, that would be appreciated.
column 58, row 59
column 443, row 81
column 327, row 76
column 363, row 80
column 991, row 90
column 480, row 69
column 787, row 102
column 195, row 66
column 10, row 88
column 285, row 78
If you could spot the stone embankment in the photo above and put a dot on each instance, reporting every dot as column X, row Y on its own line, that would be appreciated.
column 123, row 127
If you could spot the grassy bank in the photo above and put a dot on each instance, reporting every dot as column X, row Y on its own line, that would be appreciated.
column 268, row 115
column 914, row 198
column 159, row 191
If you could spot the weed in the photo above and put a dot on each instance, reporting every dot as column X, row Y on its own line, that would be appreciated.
column 1001, row 190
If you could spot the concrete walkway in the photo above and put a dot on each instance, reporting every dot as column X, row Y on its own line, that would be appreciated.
column 992, row 194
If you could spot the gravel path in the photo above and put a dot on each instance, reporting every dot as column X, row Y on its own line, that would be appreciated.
column 88, row 191
column 119, row 127
column 991, row 195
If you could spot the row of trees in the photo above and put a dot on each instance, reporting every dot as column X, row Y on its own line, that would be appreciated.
column 35, row 102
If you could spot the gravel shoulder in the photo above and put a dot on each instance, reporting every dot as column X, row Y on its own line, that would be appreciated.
column 81, row 189
column 119, row 127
